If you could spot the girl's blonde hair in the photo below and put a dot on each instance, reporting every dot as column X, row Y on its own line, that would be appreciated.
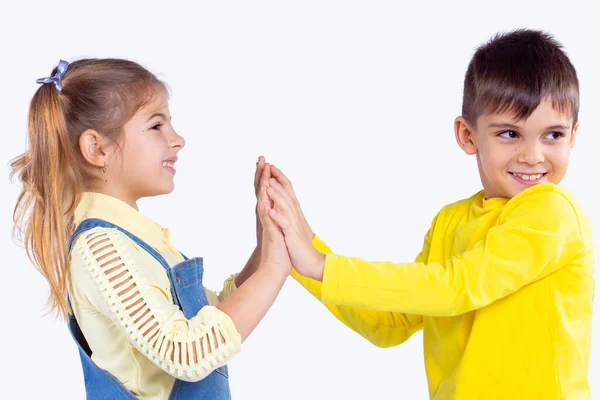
column 98, row 94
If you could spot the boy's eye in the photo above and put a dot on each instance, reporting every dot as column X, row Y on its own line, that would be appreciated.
column 509, row 134
column 554, row 135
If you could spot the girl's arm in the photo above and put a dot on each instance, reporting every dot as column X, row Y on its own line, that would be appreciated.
column 107, row 275
column 236, row 280
column 261, row 174
column 249, row 304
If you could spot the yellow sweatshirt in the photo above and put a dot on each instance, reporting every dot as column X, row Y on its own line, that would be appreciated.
column 502, row 289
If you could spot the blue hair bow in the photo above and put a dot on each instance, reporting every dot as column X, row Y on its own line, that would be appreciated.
column 57, row 78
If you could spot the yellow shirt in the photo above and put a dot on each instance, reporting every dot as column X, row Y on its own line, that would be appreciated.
column 502, row 289
column 121, row 297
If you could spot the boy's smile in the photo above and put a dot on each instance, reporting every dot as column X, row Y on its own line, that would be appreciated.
column 514, row 155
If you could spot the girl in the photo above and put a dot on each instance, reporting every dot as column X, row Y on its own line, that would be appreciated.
column 100, row 138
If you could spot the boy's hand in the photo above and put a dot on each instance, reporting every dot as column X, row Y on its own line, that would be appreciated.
column 293, row 201
column 286, row 212
column 274, row 254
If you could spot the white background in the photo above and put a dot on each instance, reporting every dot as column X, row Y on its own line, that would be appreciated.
column 355, row 101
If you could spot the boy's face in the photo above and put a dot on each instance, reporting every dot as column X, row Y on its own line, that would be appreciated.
column 514, row 155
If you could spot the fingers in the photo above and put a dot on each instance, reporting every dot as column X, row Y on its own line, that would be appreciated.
column 263, row 200
column 282, row 205
column 282, row 179
column 262, row 196
column 282, row 221
column 270, row 226
column 266, row 173
column 288, row 204
column 264, row 208
column 265, row 177
column 260, row 165
column 282, row 195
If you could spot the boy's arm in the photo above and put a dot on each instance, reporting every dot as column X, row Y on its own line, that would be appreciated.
column 538, row 232
column 382, row 328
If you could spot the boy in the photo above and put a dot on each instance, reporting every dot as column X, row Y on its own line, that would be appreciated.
column 503, row 286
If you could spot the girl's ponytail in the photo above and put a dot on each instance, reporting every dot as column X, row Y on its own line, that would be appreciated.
column 43, row 214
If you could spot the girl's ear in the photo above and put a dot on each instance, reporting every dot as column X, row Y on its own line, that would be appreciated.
column 90, row 145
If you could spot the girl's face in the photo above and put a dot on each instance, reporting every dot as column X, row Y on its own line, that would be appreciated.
column 145, row 164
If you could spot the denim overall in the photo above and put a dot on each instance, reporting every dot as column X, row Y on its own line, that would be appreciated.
column 188, row 293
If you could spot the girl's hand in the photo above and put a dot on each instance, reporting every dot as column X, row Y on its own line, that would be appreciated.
column 273, row 248
column 259, row 176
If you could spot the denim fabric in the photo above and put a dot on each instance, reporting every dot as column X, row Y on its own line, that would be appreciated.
column 188, row 293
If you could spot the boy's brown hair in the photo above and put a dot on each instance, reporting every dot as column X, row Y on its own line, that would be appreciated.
column 514, row 72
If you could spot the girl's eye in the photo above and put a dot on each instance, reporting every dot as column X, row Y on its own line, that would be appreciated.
column 509, row 134
column 554, row 135
column 156, row 126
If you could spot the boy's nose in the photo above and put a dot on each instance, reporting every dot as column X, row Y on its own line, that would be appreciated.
column 531, row 154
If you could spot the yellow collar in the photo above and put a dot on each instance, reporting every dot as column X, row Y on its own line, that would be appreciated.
column 111, row 209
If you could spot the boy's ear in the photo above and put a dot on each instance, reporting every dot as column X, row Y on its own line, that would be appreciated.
column 464, row 136
column 573, row 136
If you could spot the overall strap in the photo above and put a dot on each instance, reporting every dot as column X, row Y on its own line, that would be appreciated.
column 92, row 223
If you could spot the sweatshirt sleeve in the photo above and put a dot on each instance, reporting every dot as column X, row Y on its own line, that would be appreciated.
column 382, row 328
column 537, row 233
